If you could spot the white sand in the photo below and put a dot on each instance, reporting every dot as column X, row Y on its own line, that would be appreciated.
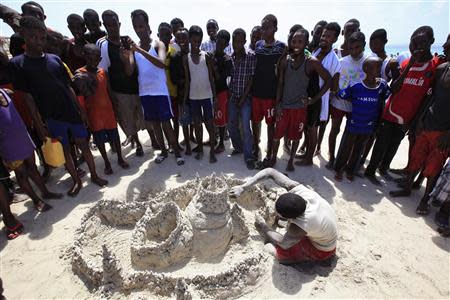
column 384, row 249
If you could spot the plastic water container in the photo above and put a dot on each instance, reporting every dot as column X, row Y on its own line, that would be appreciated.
column 53, row 152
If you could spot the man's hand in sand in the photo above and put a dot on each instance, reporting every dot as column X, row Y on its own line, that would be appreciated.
column 236, row 191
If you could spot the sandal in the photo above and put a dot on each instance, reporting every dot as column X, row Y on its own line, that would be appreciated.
column 41, row 206
column 180, row 161
column 13, row 232
column 160, row 158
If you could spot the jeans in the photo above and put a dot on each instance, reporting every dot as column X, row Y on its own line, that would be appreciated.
column 242, row 141
column 388, row 140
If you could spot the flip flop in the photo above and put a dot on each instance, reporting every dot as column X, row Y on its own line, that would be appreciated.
column 160, row 158
column 180, row 161
column 42, row 206
column 13, row 232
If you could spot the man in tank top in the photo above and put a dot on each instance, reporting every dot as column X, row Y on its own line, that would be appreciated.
column 292, row 96
column 155, row 99
column 200, row 91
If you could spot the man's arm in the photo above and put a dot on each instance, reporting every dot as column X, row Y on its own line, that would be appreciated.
column 10, row 17
column 35, row 117
column 279, row 178
column 293, row 235
column 160, row 61
column 398, row 83
column 186, row 79
column 248, row 88
column 316, row 65
column 281, row 68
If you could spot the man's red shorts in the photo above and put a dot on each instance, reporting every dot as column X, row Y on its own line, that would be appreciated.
column 303, row 251
column 425, row 154
column 221, row 113
column 337, row 113
column 291, row 124
column 263, row 108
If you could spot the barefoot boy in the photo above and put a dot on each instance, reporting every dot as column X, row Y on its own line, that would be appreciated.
column 200, row 91
column 100, row 113
column 311, row 221
column 292, row 95
column 367, row 98
column 49, row 95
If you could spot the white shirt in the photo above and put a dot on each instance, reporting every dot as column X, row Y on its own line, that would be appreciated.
column 332, row 65
column 350, row 74
column 200, row 86
column 152, row 80
column 319, row 220
column 210, row 46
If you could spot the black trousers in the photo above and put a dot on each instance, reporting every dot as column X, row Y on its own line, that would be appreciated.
column 389, row 137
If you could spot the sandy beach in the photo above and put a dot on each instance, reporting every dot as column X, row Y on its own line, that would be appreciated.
column 384, row 249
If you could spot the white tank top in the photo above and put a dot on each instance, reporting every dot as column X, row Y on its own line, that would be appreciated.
column 200, row 87
column 152, row 80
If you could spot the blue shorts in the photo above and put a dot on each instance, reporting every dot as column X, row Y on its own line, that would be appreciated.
column 105, row 135
column 202, row 109
column 185, row 116
column 61, row 130
column 157, row 108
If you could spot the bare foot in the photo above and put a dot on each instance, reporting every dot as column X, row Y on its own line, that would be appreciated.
column 123, row 164
column 108, row 170
column 41, row 206
column 99, row 181
column 290, row 166
column 75, row 189
column 304, row 162
column 212, row 157
column 188, row 151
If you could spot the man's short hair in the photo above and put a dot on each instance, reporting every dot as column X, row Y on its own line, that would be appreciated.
column 335, row 27
column 139, row 12
column 427, row 30
column 357, row 37
column 30, row 3
column 223, row 34
column 181, row 29
column 257, row 27
column 164, row 24
column 321, row 23
column 353, row 21
column 304, row 32
column 212, row 21
column 379, row 34
column 271, row 18
column 240, row 31
column 195, row 31
column 109, row 13
column 290, row 205
column 176, row 21
column 31, row 23
column 75, row 17
column 91, row 47
column 295, row 28
column 90, row 13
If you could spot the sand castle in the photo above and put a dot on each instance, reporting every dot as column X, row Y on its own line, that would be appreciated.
column 191, row 240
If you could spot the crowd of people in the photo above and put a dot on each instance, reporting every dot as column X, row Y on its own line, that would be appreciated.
column 78, row 90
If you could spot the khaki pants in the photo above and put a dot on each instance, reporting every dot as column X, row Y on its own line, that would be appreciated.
column 129, row 112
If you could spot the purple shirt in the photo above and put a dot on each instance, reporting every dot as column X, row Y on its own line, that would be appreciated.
column 15, row 142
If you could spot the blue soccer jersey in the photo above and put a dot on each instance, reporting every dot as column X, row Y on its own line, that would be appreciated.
column 366, row 105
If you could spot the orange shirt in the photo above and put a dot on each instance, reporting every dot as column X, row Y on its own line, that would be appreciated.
column 99, row 107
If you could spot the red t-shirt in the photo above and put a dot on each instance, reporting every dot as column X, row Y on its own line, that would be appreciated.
column 403, row 106
column 99, row 107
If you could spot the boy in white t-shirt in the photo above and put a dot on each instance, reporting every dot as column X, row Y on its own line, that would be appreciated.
column 311, row 233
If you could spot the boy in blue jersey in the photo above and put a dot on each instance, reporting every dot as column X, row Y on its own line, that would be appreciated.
column 367, row 99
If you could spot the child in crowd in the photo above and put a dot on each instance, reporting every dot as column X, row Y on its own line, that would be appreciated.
column 212, row 28
column 100, row 113
column 165, row 36
column 93, row 24
column 292, row 93
column 177, row 77
column 240, row 105
column 367, row 99
column 49, row 96
column 17, row 152
column 200, row 91
column 350, row 73
column 222, row 69
column 268, row 51
column 405, row 105
column 149, row 61
column 350, row 27
column 255, row 36
column 74, row 54
column 124, row 87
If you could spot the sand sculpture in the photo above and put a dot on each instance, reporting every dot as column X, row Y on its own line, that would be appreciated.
column 189, row 241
